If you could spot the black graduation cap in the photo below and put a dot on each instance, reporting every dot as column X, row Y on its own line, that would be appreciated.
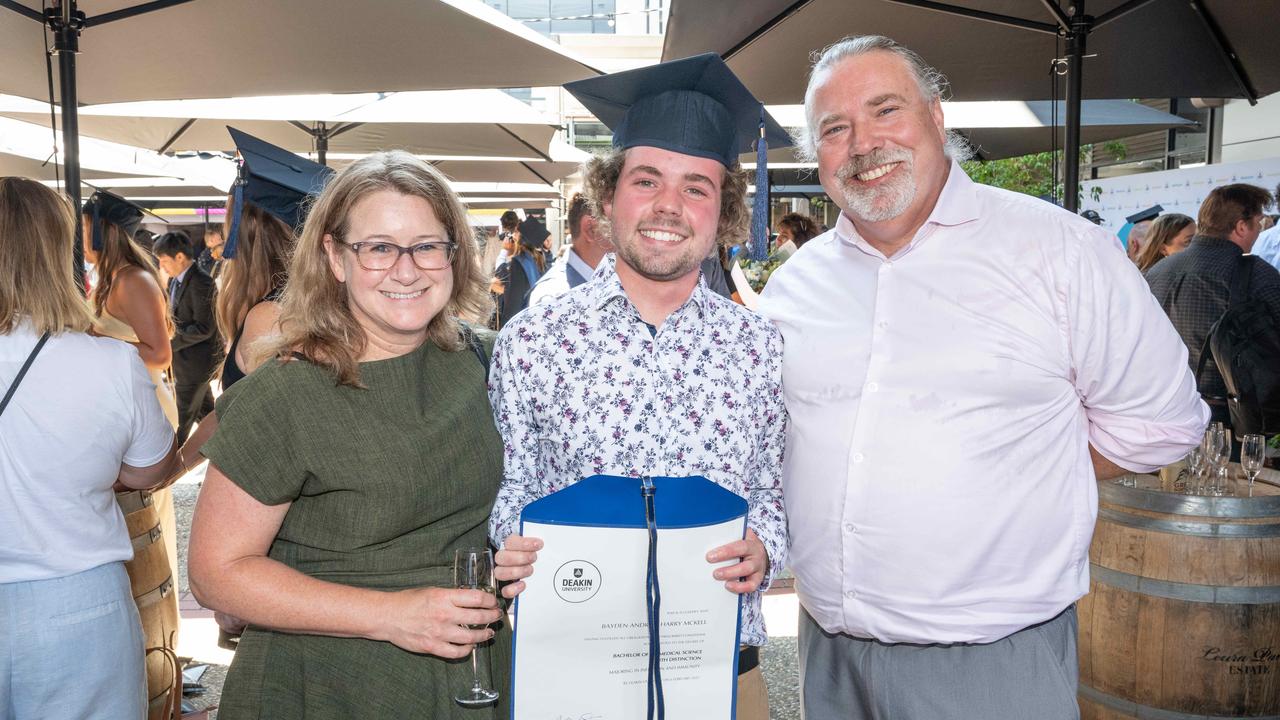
column 1150, row 213
column 693, row 106
column 103, row 206
column 273, row 179
column 533, row 233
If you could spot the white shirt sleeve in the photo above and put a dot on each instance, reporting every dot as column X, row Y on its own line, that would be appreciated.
column 152, row 435
column 1130, row 365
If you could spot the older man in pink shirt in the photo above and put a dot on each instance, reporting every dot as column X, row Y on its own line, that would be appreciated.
column 962, row 364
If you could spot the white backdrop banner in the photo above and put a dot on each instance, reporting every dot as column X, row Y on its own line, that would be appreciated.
column 1179, row 191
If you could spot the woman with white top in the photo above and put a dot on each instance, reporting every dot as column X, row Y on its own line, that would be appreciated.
column 78, row 416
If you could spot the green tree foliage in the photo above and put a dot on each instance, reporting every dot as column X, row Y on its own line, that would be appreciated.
column 1030, row 174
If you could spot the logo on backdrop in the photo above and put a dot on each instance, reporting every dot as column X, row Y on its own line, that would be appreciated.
column 577, row 581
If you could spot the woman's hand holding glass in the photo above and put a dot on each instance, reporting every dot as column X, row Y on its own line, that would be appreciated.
column 435, row 620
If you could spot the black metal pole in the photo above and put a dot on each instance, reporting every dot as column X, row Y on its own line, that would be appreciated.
column 1076, row 37
column 66, row 22
column 322, row 144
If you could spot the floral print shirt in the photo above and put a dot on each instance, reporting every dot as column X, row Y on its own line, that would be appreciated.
column 580, row 386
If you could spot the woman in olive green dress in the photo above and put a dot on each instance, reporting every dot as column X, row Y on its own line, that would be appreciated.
column 346, row 471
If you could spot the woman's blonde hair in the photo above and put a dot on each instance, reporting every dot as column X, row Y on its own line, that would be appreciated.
column 1163, row 230
column 37, row 231
column 263, row 245
column 316, row 320
column 119, row 251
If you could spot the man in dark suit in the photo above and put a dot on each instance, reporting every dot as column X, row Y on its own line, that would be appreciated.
column 197, row 348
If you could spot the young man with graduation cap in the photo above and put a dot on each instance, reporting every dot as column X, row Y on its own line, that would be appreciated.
column 642, row 371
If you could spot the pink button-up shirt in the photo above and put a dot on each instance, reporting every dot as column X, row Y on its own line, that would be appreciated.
column 937, row 477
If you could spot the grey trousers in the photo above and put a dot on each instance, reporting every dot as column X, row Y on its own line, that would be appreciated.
column 1029, row 675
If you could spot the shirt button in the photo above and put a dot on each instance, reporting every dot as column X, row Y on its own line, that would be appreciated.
column 851, row 594
column 857, row 457
column 872, row 387
column 849, row 528
column 882, row 324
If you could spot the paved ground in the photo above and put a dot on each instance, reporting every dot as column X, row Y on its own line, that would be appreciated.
column 199, row 633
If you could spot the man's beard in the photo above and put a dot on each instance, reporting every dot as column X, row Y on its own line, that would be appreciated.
column 656, row 266
column 885, row 201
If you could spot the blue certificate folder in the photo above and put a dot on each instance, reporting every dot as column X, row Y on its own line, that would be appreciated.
column 583, row 623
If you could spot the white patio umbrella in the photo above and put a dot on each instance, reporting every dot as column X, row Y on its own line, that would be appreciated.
column 171, row 49
column 446, row 122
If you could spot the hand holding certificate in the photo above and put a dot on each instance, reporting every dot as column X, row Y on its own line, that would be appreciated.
column 605, row 596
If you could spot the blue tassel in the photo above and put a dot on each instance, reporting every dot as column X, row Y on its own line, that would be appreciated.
column 96, row 229
column 233, row 235
column 656, row 709
column 760, row 207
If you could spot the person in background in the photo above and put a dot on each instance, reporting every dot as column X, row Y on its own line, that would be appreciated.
column 794, row 230
column 129, row 304
column 274, row 187
column 197, row 348
column 78, row 417
column 210, row 260
column 1134, row 232
column 1170, row 233
column 523, row 269
column 952, row 376
column 128, row 300
column 579, row 262
column 1267, row 246
column 346, row 471
column 507, row 234
column 1194, row 286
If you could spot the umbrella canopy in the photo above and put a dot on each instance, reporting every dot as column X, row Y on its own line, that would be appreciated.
column 1004, row 49
column 448, row 122
column 247, row 47
column 225, row 48
column 1009, row 128
column 1160, row 48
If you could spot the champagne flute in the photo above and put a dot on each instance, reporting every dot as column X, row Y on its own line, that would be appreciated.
column 473, row 570
column 1252, row 453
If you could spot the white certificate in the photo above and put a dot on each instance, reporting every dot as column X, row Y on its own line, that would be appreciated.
column 582, row 635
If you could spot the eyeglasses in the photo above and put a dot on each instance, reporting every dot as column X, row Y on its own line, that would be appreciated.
column 384, row 255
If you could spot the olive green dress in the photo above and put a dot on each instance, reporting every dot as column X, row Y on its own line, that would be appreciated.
column 385, row 484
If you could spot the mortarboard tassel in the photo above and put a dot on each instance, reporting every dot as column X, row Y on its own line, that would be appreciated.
column 760, row 206
column 653, row 600
column 233, row 235
column 95, row 230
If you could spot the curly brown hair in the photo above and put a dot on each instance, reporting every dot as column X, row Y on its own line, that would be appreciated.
column 600, row 179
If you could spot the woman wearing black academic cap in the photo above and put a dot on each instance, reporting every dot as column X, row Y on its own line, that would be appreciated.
column 130, row 304
column 128, row 299
column 521, row 272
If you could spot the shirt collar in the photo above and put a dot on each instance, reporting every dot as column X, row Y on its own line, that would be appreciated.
column 183, row 275
column 957, row 204
column 1217, row 243
column 572, row 259
column 606, row 287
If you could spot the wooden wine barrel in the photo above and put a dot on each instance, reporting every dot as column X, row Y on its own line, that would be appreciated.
column 1182, row 619
column 154, row 592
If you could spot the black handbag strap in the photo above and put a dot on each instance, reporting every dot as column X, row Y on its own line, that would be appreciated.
column 1238, row 296
column 23, row 371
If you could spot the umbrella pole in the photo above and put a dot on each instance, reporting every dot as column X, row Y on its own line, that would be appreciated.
column 66, row 22
column 1076, row 37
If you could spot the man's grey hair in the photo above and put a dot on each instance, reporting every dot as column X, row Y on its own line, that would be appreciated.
column 933, row 86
